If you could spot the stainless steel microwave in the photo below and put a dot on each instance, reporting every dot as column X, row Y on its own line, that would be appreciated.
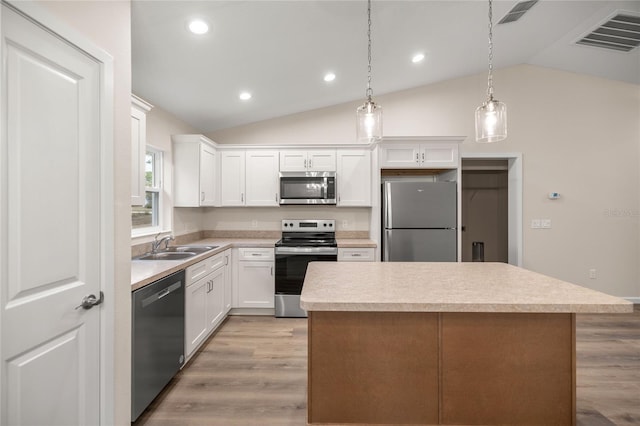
column 307, row 188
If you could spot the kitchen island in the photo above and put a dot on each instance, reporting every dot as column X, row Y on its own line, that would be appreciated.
column 443, row 343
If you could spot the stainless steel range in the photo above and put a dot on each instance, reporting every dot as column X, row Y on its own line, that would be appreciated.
column 303, row 241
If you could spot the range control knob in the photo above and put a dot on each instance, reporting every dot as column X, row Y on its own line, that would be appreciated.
column 331, row 224
column 286, row 224
column 291, row 224
column 324, row 224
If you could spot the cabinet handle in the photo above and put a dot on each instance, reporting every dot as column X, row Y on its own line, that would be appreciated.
column 417, row 157
column 276, row 198
column 305, row 164
column 272, row 271
column 309, row 163
column 356, row 254
column 226, row 260
column 423, row 157
column 202, row 196
column 242, row 197
column 256, row 254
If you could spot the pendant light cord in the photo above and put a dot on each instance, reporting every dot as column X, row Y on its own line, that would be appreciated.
column 369, row 92
column 490, row 78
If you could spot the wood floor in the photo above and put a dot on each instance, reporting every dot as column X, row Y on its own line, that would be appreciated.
column 254, row 372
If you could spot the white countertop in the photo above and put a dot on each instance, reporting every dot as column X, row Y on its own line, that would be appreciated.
column 446, row 287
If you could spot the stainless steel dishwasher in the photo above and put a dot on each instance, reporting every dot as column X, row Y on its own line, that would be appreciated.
column 157, row 345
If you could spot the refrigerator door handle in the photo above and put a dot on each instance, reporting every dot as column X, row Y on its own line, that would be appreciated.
column 387, row 205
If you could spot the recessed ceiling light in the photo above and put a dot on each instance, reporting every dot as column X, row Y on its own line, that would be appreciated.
column 418, row 57
column 198, row 26
column 329, row 77
column 245, row 96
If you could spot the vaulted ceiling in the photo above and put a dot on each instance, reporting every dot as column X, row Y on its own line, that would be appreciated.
column 279, row 51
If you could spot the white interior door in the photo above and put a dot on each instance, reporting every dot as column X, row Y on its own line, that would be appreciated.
column 50, row 258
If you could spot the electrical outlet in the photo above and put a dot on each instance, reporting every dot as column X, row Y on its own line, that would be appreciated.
column 254, row 223
column 536, row 223
column 345, row 224
column 545, row 223
column 592, row 274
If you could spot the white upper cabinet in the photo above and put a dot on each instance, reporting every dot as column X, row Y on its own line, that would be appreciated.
column 208, row 181
column 195, row 166
column 139, row 110
column 262, row 182
column 353, row 177
column 232, row 168
column 430, row 155
column 296, row 160
column 249, row 178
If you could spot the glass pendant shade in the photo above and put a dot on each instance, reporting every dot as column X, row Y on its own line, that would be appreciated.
column 491, row 121
column 369, row 122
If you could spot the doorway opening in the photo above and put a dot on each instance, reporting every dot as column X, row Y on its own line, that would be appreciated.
column 485, row 210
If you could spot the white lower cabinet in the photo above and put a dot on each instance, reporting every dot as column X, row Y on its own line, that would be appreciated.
column 205, row 299
column 255, row 283
column 228, row 300
column 356, row 254
column 195, row 316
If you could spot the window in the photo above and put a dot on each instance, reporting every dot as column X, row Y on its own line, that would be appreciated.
column 146, row 219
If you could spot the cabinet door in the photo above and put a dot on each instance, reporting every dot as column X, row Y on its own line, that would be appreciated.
column 138, row 152
column 256, row 288
column 262, row 180
column 215, row 299
column 400, row 156
column 232, row 178
column 354, row 178
column 195, row 315
column 227, row 281
column 321, row 161
column 293, row 160
column 439, row 155
column 207, row 175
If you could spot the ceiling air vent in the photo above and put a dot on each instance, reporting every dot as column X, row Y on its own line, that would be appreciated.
column 622, row 32
column 517, row 11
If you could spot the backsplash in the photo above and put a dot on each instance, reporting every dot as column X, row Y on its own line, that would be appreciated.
column 140, row 249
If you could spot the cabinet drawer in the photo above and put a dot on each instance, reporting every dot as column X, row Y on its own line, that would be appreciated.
column 216, row 262
column 264, row 253
column 201, row 269
column 196, row 271
column 356, row 254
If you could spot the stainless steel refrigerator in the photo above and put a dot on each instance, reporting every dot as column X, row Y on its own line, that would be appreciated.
column 419, row 221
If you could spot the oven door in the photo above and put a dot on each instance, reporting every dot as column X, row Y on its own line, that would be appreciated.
column 291, row 266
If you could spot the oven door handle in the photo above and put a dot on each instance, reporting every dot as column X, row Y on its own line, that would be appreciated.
column 326, row 251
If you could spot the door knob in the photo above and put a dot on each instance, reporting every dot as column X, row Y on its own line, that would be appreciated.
column 90, row 301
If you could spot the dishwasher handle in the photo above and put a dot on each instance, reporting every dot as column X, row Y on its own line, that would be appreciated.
column 161, row 294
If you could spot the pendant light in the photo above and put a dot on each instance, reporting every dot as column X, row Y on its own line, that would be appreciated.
column 491, row 116
column 369, row 115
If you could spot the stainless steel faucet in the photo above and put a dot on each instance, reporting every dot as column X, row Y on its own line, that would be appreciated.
column 155, row 245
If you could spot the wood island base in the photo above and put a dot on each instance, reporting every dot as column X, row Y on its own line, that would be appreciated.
column 441, row 368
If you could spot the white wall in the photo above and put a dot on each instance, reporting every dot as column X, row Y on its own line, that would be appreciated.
column 108, row 25
column 579, row 135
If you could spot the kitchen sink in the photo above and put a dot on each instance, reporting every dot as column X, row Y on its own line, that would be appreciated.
column 167, row 255
column 176, row 253
column 192, row 249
